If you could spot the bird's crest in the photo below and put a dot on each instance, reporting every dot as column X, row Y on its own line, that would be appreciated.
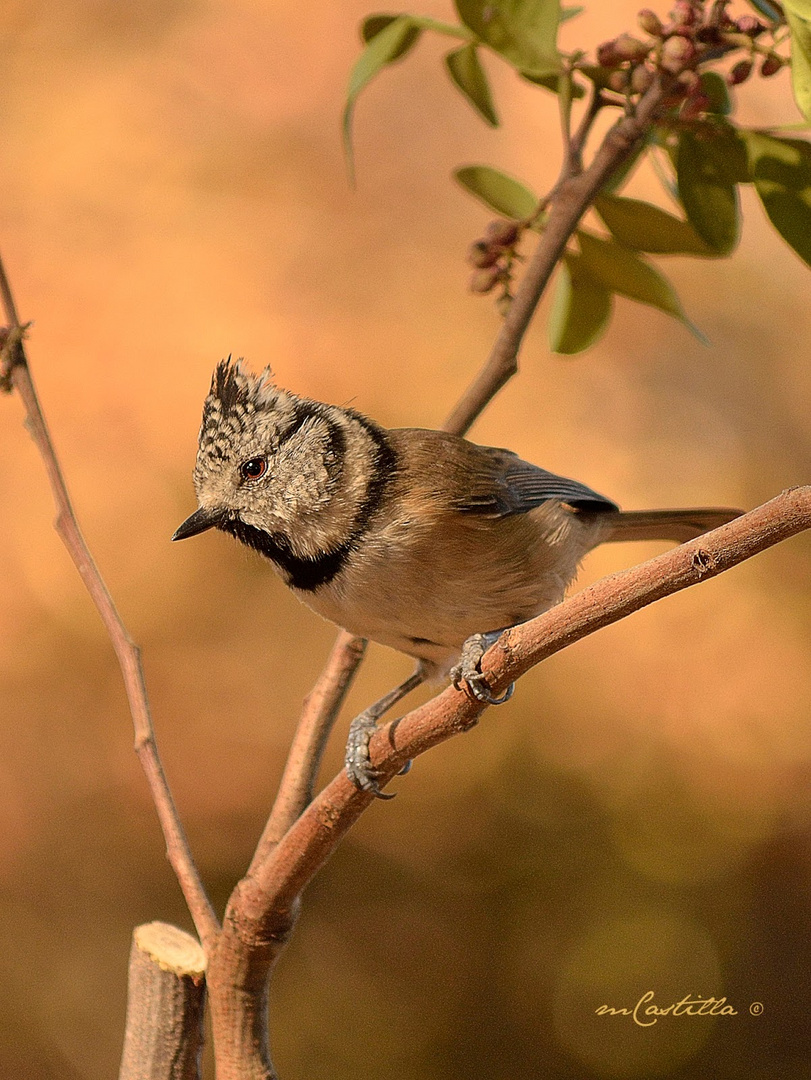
column 234, row 400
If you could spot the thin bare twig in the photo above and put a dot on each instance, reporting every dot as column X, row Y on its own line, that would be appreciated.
column 565, row 95
column 129, row 658
column 321, row 708
column 578, row 141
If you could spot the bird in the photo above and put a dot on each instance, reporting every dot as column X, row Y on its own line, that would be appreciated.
column 414, row 538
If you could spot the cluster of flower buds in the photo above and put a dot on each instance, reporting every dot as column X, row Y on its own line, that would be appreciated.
column 491, row 255
column 695, row 31
column 770, row 63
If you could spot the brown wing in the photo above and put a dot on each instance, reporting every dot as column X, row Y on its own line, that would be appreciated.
column 485, row 480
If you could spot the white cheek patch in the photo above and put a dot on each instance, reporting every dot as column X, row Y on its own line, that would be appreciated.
column 300, row 463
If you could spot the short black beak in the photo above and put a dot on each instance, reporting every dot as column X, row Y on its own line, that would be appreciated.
column 200, row 520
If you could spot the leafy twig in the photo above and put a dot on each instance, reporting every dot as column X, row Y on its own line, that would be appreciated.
column 572, row 195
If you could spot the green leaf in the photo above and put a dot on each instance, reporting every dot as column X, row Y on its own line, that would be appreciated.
column 622, row 271
column 799, row 7
column 798, row 15
column 662, row 161
column 597, row 74
column 645, row 227
column 552, row 82
column 707, row 193
column 524, row 32
column 387, row 38
column 581, row 308
column 373, row 24
column 469, row 75
column 387, row 44
column 619, row 176
column 716, row 90
column 570, row 13
column 728, row 151
column 500, row 192
column 722, row 143
column 781, row 169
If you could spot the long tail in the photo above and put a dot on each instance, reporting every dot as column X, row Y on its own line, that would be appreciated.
column 678, row 525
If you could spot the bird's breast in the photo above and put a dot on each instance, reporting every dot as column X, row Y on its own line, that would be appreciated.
column 423, row 586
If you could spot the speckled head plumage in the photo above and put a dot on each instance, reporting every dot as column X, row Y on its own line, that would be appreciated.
column 291, row 477
column 239, row 402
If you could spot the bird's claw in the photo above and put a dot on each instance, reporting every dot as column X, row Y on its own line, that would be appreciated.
column 358, row 764
column 477, row 686
column 466, row 675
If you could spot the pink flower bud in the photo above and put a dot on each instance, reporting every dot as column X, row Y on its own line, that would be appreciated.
column 481, row 254
column 641, row 79
column 607, row 55
column 630, row 48
column 483, row 281
column 502, row 233
column 749, row 25
column 677, row 54
column 650, row 22
column 684, row 14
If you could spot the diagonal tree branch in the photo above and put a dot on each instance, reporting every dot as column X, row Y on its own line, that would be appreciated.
column 276, row 883
column 15, row 374
column 263, row 907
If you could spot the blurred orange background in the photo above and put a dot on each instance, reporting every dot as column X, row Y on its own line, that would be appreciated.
column 637, row 819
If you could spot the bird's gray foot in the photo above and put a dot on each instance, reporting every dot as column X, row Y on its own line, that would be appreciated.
column 359, row 767
column 358, row 764
column 468, row 671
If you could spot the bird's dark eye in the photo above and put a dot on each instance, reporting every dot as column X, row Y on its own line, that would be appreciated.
column 253, row 469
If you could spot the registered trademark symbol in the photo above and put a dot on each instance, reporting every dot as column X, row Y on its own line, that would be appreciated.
column 756, row 1008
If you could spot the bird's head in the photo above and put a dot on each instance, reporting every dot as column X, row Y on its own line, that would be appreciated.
column 266, row 459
